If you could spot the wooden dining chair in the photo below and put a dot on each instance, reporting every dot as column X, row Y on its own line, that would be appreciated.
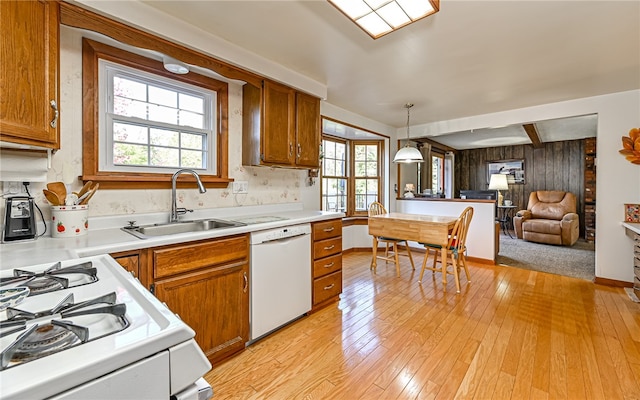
column 455, row 251
column 376, row 208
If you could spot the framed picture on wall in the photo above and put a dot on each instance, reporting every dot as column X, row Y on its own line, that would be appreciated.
column 514, row 169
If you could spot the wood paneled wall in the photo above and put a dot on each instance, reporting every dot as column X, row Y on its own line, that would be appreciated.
column 556, row 166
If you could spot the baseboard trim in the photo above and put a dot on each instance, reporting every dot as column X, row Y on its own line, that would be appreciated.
column 612, row 282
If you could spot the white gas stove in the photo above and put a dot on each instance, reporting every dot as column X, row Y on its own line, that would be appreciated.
column 89, row 330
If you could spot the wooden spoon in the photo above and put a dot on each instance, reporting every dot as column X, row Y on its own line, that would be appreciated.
column 85, row 188
column 90, row 195
column 52, row 197
column 59, row 188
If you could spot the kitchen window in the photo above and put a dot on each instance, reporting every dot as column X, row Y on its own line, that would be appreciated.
column 141, row 123
column 351, row 174
column 150, row 123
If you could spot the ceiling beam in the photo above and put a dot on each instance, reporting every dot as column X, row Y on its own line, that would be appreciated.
column 532, row 132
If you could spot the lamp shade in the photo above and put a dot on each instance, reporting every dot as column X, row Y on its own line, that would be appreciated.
column 498, row 182
column 408, row 154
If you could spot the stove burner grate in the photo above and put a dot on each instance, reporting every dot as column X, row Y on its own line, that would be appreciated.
column 80, row 323
column 53, row 278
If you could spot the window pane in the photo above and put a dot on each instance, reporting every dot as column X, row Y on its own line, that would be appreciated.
column 372, row 186
column 372, row 168
column 163, row 114
column 341, row 150
column 329, row 149
column 130, row 89
column 129, row 133
column 165, row 157
column 163, row 97
column 191, row 103
column 330, row 168
column 372, row 153
column 163, row 137
column 192, row 141
column 129, row 154
column 360, row 168
column 359, row 152
column 129, row 108
column 191, row 119
column 192, row 159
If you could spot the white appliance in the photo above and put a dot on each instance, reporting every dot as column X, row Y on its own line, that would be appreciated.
column 280, row 277
column 89, row 330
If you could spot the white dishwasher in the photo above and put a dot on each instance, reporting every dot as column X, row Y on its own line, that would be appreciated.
column 280, row 277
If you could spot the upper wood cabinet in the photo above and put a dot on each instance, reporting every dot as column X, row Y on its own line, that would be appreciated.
column 29, row 64
column 281, row 127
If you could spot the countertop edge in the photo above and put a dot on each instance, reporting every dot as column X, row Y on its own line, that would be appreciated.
column 632, row 226
column 115, row 240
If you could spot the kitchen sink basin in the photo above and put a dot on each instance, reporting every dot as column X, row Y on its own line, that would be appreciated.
column 172, row 228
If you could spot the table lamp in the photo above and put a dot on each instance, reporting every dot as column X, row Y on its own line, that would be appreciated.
column 498, row 182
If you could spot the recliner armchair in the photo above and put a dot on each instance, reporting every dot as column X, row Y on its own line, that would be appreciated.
column 550, row 218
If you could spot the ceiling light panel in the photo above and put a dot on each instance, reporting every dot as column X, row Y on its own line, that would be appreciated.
column 393, row 15
column 352, row 8
column 374, row 25
column 379, row 17
column 416, row 9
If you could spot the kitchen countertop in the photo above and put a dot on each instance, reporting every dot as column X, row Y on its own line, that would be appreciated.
column 105, row 235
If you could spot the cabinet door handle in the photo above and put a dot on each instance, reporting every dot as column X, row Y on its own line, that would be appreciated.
column 329, row 287
column 56, row 113
column 246, row 282
column 329, row 229
column 299, row 150
column 330, row 247
column 331, row 264
column 290, row 149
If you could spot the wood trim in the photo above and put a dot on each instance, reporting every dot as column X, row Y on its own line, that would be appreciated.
column 349, row 221
column 612, row 282
column 532, row 132
column 78, row 17
column 91, row 52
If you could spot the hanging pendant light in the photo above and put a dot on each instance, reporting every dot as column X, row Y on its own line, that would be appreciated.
column 408, row 154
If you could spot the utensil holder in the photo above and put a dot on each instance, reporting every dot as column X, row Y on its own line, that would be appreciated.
column 69, row 221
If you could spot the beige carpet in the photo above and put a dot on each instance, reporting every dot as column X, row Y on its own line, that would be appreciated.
column 577, row 261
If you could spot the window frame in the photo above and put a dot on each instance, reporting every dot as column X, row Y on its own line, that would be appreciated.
column 352, row 178
column 346, row 170
column 108, row 117
column 350, row 170
column 92, row 51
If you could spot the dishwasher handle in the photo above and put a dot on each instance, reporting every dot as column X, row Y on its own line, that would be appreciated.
column 284, row 239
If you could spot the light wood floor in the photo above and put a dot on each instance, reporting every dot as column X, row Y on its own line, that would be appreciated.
column 510, row 334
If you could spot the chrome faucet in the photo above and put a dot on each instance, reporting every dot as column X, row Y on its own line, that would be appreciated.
column 175, row 210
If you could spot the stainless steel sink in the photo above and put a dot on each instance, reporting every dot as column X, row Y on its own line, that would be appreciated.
column 172, row 228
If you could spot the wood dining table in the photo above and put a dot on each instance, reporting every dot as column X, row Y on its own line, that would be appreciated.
column 421, row 228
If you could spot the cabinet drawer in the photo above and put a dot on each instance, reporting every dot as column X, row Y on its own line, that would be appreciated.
column 327, row 229
column 327, row 247
column 193, row 256
column 327, row 265
column 327, row 287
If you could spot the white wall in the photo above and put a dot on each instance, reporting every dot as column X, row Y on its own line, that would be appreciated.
column 481, row 240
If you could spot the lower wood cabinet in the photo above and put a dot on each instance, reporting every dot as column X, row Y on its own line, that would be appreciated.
column 327, row 262
column 207, row 284
column 133, row 261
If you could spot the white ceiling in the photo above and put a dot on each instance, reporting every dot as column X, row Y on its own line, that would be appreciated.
column 471, row 58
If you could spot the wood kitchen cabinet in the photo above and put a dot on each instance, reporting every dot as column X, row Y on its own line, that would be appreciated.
column 281, row 127
column 135, row 262
column 327, row 262
column 207, row 284
column 29, row 68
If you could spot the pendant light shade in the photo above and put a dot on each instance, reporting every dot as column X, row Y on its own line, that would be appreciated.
column 408, row 154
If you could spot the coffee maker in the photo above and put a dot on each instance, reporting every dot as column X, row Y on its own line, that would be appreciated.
column 19, row 219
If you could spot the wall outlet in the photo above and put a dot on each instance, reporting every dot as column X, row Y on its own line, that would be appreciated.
column 240, row 187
